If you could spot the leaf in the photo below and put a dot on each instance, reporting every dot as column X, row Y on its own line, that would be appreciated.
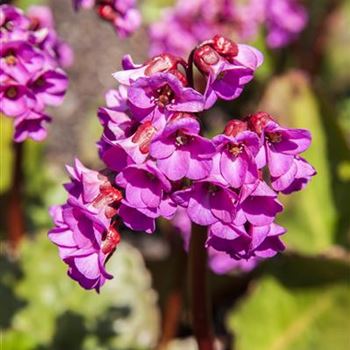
column 286, row 312
column 56, row 313
column 310, row 215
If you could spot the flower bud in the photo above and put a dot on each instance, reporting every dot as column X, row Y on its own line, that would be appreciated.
column 225, row 47
column 258, row 121
column 143, row 136
column 205, row 57
column 234, row 127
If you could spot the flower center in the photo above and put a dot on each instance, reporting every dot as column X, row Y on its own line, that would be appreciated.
column 10, row 58
column 40, row 82
column 165, row 96
column 181, row 139
column 274, row 137
column 212, row 189
column 235, row 150
column 11, row 92
column 221, row 76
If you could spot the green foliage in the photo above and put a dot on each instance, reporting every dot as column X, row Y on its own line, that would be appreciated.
column 26, row 3
column 301, row 304
column 6, row 157
column 55, row 313
column 152, row 9
column 310, row 215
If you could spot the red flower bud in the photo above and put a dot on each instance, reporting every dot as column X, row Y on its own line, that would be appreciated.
column 106, row 12
column 225, row 47
column 162, row 63
column 205, row 57
column 258, row 121
column 143, row 136
column 234, row 127
column 111, row 241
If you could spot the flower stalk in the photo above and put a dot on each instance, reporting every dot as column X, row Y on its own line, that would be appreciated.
column 199, row 294
column 15, row 208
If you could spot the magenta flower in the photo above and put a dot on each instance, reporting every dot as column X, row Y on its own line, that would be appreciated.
column 159, row 95
column 237, row 162
column 265, row 241
column 20, row 60
column 30, row 125
column 16, row 100
column 12, row 19
column 181, row 152
column 257, row 204
column 285, row 19
column 207, row 202
column 78, row 235
column 30, row 72
column 227, row 66
column 296, row 178
column 280, row 144
column 84, row 232
column 144, row 185
column 42, row 21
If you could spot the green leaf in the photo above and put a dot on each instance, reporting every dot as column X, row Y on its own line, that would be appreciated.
column 6, row 158
column 286, row 311
column 310, row 215
column 56, row 313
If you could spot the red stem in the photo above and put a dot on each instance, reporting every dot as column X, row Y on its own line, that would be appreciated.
column 199, row 296
column 15, row 208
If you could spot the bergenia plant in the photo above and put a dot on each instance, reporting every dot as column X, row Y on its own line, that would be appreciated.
column 190, row 22
column 122, row 14
column 160, row 164
column 32, row 57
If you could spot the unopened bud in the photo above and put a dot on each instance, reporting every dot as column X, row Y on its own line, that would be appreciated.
column 258, row 121
column 225, row 47
column 234, row 127
column 205, row 57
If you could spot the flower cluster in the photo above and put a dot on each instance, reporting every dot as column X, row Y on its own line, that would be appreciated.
column 191, row 22
column 159, row 164
column 122, row 14
column 32, row 55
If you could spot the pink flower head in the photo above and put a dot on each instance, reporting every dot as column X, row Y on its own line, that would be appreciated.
column 30, row 73
column 84, row 231
column 285, row 19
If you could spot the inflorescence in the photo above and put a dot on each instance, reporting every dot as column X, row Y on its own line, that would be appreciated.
column 32, row 55
column 159, row 164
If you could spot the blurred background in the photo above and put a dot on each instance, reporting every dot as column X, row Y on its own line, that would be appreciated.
column 299, row 300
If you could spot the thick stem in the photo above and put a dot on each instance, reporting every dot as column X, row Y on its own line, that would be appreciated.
column 200, row 306
column 15, row 208
column 174, row 303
